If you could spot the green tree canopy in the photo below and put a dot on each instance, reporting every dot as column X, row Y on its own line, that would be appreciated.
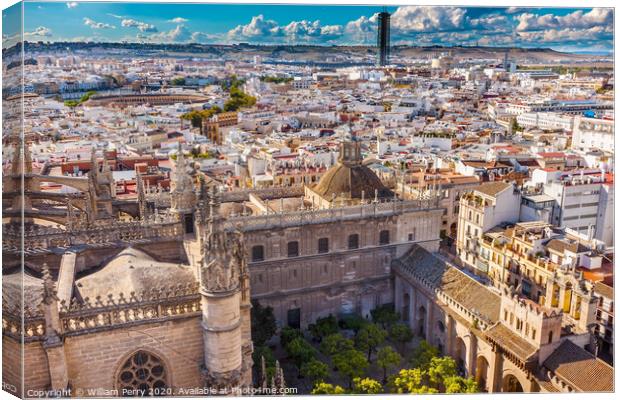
column 276, row 79
column 401, row 334
column 440, row 376
column 263, row 323
column 287, row 334
column 458, row 384
column 196, row 116
column 384, row 315
column 369, row 337
column 177, row 81
column 366, row 386
column 423, row 355
column 300, row 351
column 439, row 369
column 412, row 381
column 327, row 388
column 336, row 343
column 387, row 358
column 238, row 99
column 315, row 370
column 270, row 361
column 353, row 321
column 350, row 364
column 323, row 327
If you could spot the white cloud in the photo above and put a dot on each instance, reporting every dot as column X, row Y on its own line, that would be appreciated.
column 41, row 31
column 424, row 19
column 258, row 26
column 362, row 29
column 178, row 20
column 142, row 26
column 566, row 35
column 304, row 30
column 178, row 34
column 97, row 25
column 575, row 20
column 72, row 4
column 200, row 37
column 491, row 23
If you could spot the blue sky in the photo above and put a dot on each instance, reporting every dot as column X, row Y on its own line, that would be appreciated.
column 566, row 29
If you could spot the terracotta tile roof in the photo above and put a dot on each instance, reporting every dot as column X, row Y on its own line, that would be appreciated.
column 473, row 296
column 510, row 341
column 560, row 245
column 604, row 290
column 493, row 188
column 580, row 369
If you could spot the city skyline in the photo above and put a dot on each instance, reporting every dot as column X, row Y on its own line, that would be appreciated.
column 562, row 29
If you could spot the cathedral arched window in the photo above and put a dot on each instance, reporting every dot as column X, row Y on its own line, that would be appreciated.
column 143, row 373
column 354, row 240
column 384, row 237
column 258, row 253
column 293, row 249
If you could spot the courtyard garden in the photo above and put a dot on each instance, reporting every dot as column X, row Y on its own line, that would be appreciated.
column 352, row 354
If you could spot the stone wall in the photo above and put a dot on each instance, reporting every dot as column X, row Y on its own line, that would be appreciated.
column 94, row 359
column 341, row 280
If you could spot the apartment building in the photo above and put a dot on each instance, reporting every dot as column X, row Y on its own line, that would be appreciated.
column 583, row 200
column 593, row 134
column 487, row 206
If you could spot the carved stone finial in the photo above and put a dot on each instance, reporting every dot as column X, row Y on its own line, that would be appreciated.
column 49, row 286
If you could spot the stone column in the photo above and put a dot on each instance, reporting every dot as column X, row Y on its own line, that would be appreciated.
column 53, row 343
column 222, row 279
column 449, row 337
column 413, row 321
column 429, row 322
column 494, row 376
column 471, row 354
column 221, row 324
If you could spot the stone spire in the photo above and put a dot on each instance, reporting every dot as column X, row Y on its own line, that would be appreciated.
column 141, row 196
column 49, row 286
column 182, row 195
column 226, row 363
column 279, row 377
column 263, row 373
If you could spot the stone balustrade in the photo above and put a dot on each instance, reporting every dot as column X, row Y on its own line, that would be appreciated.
column 91, row 315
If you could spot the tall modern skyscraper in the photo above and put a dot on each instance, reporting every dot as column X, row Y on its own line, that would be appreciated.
column 383, row 38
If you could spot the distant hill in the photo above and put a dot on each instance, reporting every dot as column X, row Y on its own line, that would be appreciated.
column 312, row 53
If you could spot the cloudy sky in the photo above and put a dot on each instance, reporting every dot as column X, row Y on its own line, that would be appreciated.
column 565, row 29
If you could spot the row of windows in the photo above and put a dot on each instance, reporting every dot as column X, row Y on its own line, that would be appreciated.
column 470, row 217
column 292, row 248
column 519, row 326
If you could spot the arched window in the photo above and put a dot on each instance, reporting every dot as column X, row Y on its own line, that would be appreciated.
column 550, row 336
column 384, row 237
column 323, row 245
column 143, row 372
column 293, row 249
column 258, row 253
column 354, row 241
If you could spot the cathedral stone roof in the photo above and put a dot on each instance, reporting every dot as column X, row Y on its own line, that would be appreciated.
column 133, row 270
column 510, row 341
column 13, row 285
column 469, row 293
column 351, row 181
column 577, row 367
column 350, row 177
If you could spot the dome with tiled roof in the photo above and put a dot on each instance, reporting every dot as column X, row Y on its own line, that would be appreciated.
column 350, row 177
